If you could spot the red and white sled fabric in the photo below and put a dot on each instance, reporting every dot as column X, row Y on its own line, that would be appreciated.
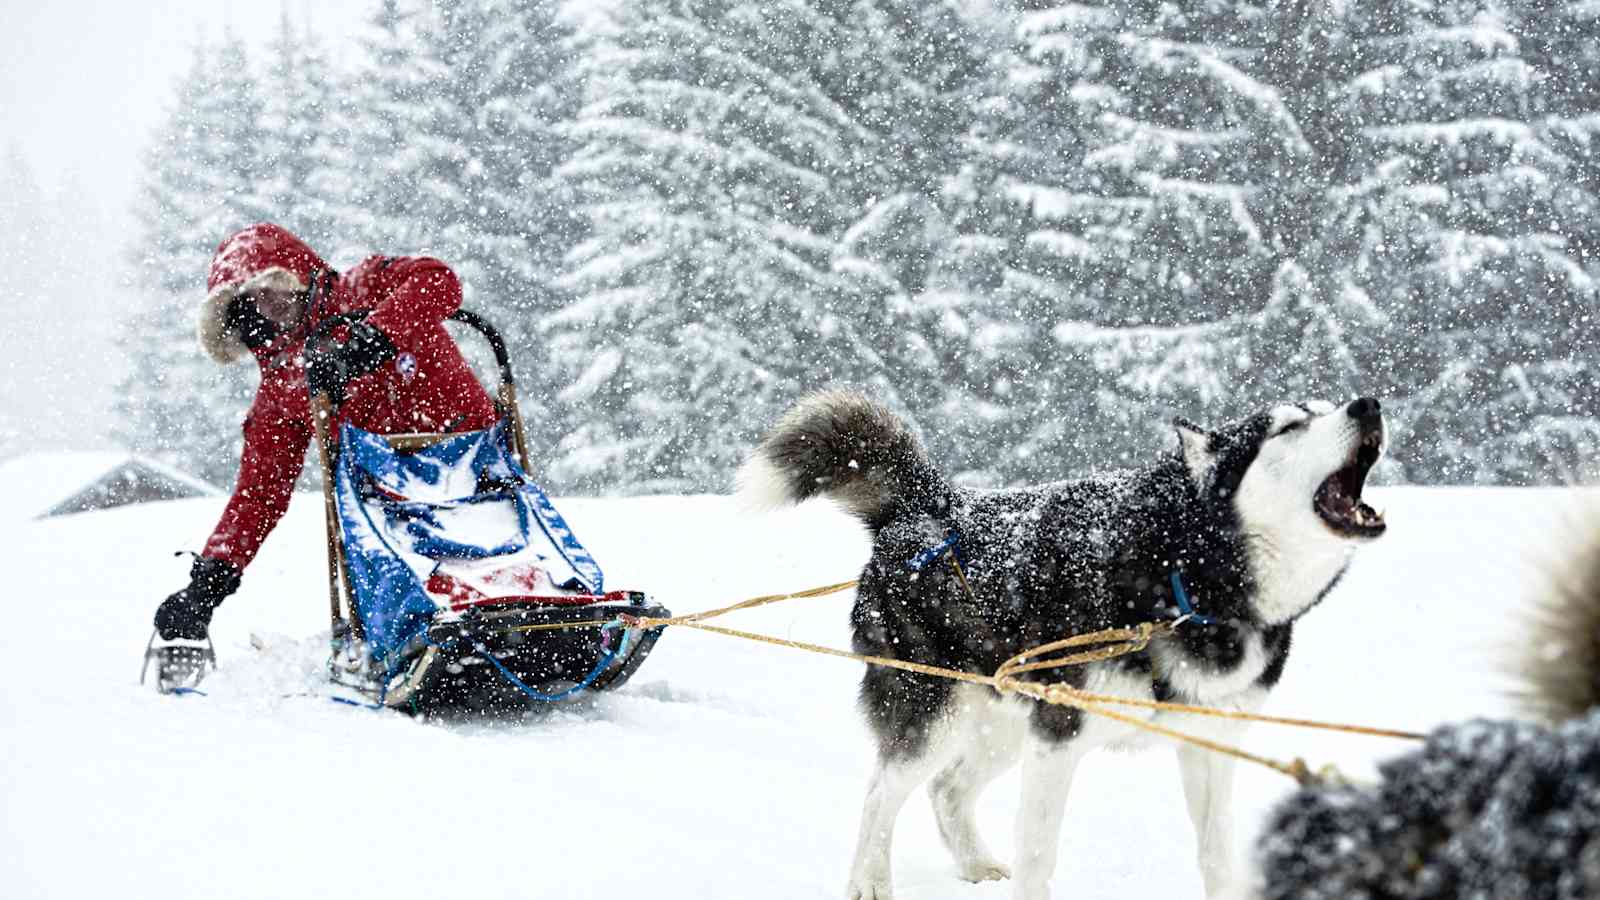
column 465, row 584
column 440, row 531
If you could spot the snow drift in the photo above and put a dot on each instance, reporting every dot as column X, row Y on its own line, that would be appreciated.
column 725, row 768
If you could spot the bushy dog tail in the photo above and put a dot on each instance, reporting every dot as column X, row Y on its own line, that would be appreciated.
column 1558, row 658
column 842, row 445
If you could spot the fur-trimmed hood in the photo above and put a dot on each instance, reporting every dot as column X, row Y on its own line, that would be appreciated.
column 262, row 255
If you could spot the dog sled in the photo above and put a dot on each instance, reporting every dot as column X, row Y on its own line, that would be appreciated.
column 453, row 582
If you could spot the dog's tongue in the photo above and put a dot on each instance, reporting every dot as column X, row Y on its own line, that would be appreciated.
column 1339, row 500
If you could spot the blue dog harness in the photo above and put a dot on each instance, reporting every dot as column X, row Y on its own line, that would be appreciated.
column 1185, row 609
column 952, row 544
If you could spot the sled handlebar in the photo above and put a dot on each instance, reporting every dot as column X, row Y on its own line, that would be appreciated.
column 502, row 357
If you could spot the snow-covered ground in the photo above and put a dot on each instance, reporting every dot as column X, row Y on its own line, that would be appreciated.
column 724, row 769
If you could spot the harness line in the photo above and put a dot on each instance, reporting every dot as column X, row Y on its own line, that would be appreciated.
column 1118, row 641
column 689, row 618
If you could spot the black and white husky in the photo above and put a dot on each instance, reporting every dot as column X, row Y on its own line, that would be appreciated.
column 1250, row 525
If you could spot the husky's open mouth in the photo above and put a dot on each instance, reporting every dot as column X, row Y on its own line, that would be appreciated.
column 1338, row 499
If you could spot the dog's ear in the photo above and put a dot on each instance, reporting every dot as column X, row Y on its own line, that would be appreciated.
column 1195, row 442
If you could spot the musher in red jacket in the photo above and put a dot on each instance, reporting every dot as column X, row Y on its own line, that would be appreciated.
column 398, row 371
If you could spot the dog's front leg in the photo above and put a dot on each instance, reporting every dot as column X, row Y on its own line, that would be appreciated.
column 891, row 784
column 1208, row 788
column 954, row 793
column 1048, row 763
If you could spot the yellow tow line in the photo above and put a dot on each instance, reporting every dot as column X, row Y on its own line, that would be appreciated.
column 1117, row 642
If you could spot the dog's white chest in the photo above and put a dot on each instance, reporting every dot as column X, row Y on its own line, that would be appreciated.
column 1197, row 681
column 1099, row 731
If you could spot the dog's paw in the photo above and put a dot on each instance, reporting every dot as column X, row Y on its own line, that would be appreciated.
column 984, row 870
column 867, row 888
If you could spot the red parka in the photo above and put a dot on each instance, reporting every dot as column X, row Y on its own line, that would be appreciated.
column 428, row 386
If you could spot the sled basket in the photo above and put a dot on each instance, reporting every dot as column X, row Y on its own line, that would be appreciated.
column 454, row 583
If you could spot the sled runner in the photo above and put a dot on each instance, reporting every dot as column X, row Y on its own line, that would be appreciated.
column 448, row 567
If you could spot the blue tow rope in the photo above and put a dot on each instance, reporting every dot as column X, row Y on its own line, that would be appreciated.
column 605, row 660
column 607, row 657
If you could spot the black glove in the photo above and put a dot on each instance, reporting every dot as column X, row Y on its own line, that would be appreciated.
column 328, row 371
column 254, row 329
column 186, row 615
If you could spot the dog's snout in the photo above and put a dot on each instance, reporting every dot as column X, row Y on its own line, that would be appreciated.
column 1365, row 409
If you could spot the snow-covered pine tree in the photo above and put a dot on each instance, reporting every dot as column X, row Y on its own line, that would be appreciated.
column 306, row 140
column 497, row 135
column 1490, row 327
column 1312, row 335
column 710, row 169
column 458, row 121
column 399, row 189
column 737, row 157
column 1032, row 189
column 377, row 206
column 203, row 171
column 428, row 103
column 1176, row 166
column 55, row 234
column 22, row 215
column 1173, row 160
column 1354, row 189
column 922, row 255
column 1561, row 41
column 22, row 258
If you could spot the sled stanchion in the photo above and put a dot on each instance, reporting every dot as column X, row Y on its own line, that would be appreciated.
column 519, row 436
column 322, row 417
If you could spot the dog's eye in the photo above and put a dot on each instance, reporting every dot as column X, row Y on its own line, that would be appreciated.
column 1296, row 425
